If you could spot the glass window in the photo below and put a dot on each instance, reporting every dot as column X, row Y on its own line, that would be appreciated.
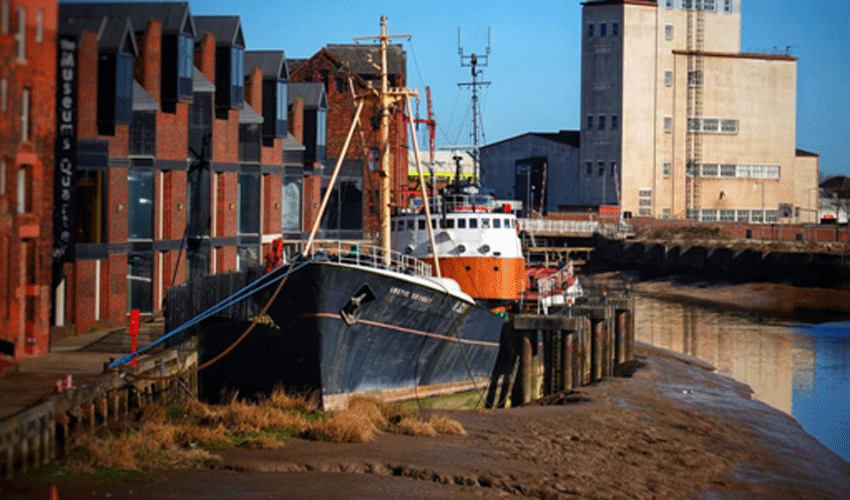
column 758, row 215
column 667, row 168
column 668, row 32
column 613, row 169
column 282, row 103
column 709, row 215
column 614, row 122
column 615, row 29
column 25, row 189
column 727, row 170
column 433, row 224
column 249, row 142
column 497, row 223
column 291, row 205
column 123, row 89
column 450, row 223
column 140, row 282
column 709, row 170
column 727, row 5
column 39, row 26
column 601, row 169
column 729, row 126
column 91, row 206
column 140, row 204
column 507, row 223
column 603, row 29
column 421, row 224
column 485, row 223
column 25, row 114
column 727, row 216
column 321, row 133
column 198, row 193
column 589, row 167
column 590, row 30
column 143, row 133
column 410, row 224
column 601, row 122
column 665, row 213
column 185, row 64
column 237, row 76
column 695, row 78
column 710, row 125
column 743, row 215
column 668, row 78
column 589, row 121
column 473, row 223
column 249, row 202
column 668, row 123
column 771, row 215
column 21, row 35
column 247, row 256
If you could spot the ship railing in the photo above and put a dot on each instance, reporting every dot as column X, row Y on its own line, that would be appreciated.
column 374, row 257
column 558, row 226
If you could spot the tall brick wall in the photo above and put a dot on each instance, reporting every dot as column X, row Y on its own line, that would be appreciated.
column 26, row 238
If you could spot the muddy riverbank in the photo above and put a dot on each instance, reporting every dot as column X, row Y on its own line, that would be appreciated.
column 673, row 430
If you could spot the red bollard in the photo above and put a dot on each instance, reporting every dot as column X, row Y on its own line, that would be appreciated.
column 134, row 332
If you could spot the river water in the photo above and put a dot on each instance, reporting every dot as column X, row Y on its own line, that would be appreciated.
column 803, row 370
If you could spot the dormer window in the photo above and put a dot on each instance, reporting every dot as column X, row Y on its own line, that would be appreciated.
column 237, row 76
column 321, row 133
column 282, row 112
column 115, row 87
column 185, row 65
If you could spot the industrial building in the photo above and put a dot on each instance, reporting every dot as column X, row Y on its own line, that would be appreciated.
column 677, row 122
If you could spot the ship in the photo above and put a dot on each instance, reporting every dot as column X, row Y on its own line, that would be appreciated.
column 361, row 319
column 477, row 242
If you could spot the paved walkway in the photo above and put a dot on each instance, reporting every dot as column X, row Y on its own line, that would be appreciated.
column 82, row 356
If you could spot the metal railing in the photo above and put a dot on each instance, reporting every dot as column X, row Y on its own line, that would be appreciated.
column 374, row 257
column 573, row 226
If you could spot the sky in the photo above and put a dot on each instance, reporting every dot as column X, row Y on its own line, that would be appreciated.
column 535, row 58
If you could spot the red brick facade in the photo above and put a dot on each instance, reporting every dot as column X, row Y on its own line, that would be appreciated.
column 26, row 164
column 329, row 69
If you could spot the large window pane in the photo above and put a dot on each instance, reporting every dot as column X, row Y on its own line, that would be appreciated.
column 249, row 202
column 291, row 206
column 140, row 282
column 140, row 204
column 91, row 206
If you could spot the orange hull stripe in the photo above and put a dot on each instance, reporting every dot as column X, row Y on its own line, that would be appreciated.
column 486, row 277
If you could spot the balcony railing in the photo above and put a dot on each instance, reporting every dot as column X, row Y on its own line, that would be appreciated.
column 374, row 257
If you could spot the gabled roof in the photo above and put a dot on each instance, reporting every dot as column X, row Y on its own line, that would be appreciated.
column 200, row 83
column 248, row 115
column 293, row 64
column 313, row 94
column 227, row 30
column 174, row 16
column 272, row 63
column 142, row 101
column 114, row 33
column 567, row 137
column 356, row 57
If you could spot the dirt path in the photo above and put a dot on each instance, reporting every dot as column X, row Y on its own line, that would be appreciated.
column 674, row 430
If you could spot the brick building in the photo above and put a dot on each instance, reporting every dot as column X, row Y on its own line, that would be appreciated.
column 335, row 66
column 179, row 115
column 27, row 122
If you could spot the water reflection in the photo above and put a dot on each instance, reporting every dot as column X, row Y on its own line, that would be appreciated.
column 801, row 370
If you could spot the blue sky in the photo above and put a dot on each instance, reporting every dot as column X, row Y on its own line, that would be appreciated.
column 535, row 58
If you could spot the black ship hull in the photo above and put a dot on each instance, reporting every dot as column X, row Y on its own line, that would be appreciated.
column 351, row 329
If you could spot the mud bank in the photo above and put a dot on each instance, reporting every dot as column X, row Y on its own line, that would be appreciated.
column 771, row 299
column 673, row 430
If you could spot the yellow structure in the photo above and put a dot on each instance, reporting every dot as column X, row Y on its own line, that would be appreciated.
column 678, row 122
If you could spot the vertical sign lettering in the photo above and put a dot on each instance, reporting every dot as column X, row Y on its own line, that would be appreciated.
column 66, row 152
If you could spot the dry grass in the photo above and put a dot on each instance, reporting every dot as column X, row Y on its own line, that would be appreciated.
column 445, row 425
column 169, row 438
column 415, row 427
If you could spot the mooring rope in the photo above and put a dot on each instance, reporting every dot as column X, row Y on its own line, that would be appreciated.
column 218, row 307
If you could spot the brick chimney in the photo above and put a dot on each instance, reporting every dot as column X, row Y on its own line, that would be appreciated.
column 296, row 120
column 254, row 91
column 148, row 68
column 205, row 56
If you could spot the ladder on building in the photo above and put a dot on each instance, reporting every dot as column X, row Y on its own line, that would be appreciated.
column 693, row 153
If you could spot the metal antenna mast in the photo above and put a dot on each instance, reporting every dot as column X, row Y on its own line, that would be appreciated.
column 474, row 61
